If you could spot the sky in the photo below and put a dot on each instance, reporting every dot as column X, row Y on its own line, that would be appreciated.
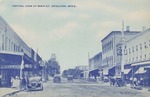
column 72, row 32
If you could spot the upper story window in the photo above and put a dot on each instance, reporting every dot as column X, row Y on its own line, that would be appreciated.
column 129, row 51
column 133, row 49
column 125, row 47
column 145, row 46
column 136, row 47
column 3, row 42
column 6, row 43
column 141, row 46
column 9, row 44
column 14, row 47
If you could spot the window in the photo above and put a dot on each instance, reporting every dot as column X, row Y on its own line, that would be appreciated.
column 145, row 45
column 125, row 46
column 129, row 51
column 133, row 49
column 2, row 42
column 9, row 44
column 141, row 46
column 6, row 43
column 136, row 58
column 136, row 48
column 140, row 56
column 14, row 47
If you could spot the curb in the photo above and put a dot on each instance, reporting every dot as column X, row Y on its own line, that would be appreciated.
column 12, row 93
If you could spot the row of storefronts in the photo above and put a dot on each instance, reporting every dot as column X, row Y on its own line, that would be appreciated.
column 17, row 59
column 126, row 60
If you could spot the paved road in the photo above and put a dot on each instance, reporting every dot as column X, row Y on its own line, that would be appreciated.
column 76, row 89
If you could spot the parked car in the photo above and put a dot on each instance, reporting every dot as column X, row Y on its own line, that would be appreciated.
column 105, row 79
column 57, row 79
column 35, row 83
column 119, row 82
column 70, row 77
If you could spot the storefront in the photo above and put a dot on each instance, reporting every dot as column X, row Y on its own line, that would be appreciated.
column 142, row 71
column 9, row 66
column 111, row 71
column 13, row 64
column 94, row 73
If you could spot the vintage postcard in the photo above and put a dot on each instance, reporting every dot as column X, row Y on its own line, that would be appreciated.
column 74, row 48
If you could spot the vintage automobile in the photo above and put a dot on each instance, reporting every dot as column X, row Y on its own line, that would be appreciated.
column 70, row 78
column 105, row 79
column 35, row 83
column 57, row 78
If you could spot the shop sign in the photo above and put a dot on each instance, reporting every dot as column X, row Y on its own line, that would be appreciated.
column 28, row 66
column 9, row 66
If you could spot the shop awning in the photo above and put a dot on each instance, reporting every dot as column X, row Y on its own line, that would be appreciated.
column 141, row 63
column 147, row 68
column 10, row 58
column 140, row 70
column 111, row 71
column 126, row 71
column 94, row 72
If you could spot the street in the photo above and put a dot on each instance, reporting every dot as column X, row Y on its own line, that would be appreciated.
column 80, row 89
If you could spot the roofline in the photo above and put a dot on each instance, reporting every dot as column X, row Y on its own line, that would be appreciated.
column 113, row 32
column 139, row 34
column 12, row 53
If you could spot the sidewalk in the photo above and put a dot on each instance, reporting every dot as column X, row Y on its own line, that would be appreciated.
column 8, row 91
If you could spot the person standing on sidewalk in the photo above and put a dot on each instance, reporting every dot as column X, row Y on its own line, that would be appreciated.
column 12, row 81
column 135, row 81
column 141, row 82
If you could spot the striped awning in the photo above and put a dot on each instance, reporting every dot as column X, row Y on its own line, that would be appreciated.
column 126, row 71
column 141, row 63
column 140, row 70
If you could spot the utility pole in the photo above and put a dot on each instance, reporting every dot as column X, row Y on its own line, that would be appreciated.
column 122, row 43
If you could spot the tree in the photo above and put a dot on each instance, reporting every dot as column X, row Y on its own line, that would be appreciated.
column 74, row 72
column 53, row 66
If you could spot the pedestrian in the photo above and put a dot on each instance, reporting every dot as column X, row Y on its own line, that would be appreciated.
column 12, row 81
column 17, row 82
column 93, row 79
column 141, row 82
column 23, row 83
column 131, row 82
column 135, row 81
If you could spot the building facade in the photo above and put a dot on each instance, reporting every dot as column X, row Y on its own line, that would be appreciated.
column 16, row 57
column 111, row 52
column 95, row 64
column 136, row 57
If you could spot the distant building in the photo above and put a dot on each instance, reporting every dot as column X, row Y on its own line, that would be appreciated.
column 136, row 57
column 111, row 52
column 84, row 69
column 95, row 64
column 16, row 57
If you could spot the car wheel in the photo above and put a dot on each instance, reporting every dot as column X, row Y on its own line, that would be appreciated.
column 41, row 88
column 27, row 89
